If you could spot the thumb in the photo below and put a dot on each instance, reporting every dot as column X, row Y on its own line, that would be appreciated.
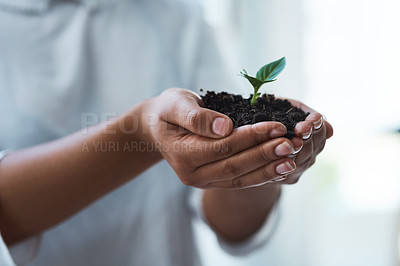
column 186, row 112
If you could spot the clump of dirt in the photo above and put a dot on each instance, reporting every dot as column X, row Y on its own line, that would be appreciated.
column 267, row 108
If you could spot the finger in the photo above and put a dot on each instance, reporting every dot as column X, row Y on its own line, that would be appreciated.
column 320, row 135
column 304, row 129
column 315, row 118
column 305, row 108
column 312, row 123
column 239, row 140
column 304, row 157
column 329, row 129
column 298, row 144
column 184, row 110
column 319, row 138
column 322, row 123
column 246, row 161
column 273, row 172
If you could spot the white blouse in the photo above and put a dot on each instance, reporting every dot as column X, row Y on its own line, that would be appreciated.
column 61, row 60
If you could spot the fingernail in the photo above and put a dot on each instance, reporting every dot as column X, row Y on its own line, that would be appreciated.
column 318, row 124
column 285, row 168
column 220, row 126
column 284, row 149
column 278, row 132
column 307, row 134
column 297, row 150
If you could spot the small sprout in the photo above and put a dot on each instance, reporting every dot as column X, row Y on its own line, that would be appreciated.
column 266, row 74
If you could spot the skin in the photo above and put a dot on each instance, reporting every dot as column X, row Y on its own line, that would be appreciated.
column 236, row 215
column 43, row 185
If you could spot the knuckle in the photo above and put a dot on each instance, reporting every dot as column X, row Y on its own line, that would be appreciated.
column 292, row 181
column 192, row 117
column 230, row 169
column 238, row 183
column 267, row 175
column 265, row 154
column 226, row 150
column 188, row 181
column 255, row 134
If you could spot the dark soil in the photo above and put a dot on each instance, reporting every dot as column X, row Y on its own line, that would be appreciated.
column 268, row 108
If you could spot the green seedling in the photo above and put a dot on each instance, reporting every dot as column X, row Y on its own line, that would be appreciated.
column 266, row 74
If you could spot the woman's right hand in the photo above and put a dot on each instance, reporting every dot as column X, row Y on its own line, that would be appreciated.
column 204, row 149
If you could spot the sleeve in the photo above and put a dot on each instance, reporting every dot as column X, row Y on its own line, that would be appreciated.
column 23, row 252
column 256, row 241
column 5, row 257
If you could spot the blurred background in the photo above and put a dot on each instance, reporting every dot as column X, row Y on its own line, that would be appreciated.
column 343, row 59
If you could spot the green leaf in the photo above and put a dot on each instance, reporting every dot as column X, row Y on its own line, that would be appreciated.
column 269, row 72
column 254, row 81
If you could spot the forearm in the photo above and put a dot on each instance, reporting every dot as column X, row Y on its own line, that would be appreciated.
column 43, row 185
column 237, row 214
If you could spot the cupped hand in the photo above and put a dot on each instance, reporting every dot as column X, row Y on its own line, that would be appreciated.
column 314, row 132
column 206, row 152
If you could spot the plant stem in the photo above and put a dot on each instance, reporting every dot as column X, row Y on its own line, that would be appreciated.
column 255, row 96
column 253, row 100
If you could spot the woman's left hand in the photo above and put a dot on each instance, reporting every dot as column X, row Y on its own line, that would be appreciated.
column 314, row 132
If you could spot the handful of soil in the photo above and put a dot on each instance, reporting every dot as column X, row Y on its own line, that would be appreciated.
column 267, row 108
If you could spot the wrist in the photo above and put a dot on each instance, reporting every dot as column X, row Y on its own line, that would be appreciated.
column 125, row 138
column 136, row 129
column 237, row 214
column 262, row 196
